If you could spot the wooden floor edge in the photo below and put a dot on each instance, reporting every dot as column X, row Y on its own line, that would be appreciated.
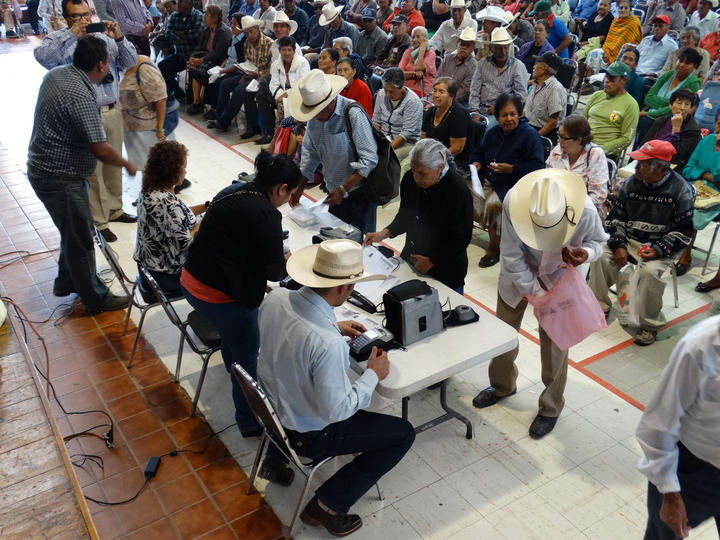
column 82, row 503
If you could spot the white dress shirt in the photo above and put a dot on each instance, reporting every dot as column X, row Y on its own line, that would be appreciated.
column 707, row 24
column 446, row 37
column 303, row 362
column 520, row 265
column 685, row 408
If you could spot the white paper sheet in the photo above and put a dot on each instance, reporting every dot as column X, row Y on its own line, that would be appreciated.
column 475, row 182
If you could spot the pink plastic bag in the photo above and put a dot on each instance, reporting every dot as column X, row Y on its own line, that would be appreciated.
column 569, row 312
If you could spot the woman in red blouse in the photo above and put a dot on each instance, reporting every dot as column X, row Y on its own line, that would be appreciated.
column 356, row 89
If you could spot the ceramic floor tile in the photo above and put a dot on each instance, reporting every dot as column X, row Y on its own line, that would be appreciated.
column 446, row 449
column 531, row 518
column 437, row 511
column 616, row 468
column 577, row 438
column 533, row 462
column 613, row 415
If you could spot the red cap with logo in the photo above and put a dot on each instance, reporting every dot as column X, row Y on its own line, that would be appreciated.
column 662, row 18
column 656, row 149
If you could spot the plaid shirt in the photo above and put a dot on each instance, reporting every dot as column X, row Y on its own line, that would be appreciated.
column 259, row 54
column 191, row 25
column 67, row 122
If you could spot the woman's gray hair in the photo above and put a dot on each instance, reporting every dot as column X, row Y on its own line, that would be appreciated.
column 394, row 77
column 694, row 31
column 345, row 44
column 431, row 153
column 420, row 30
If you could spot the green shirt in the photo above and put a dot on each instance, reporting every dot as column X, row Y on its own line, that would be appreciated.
column 613, row 120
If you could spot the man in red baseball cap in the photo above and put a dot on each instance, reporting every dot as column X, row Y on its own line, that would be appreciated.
column 672, row 9
column 655, row 48
column 650, row 223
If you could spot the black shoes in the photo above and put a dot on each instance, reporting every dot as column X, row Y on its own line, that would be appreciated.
column 265, row 139
column 108, row 235
column 195, row 108
column 542, row 425
column 215, row 124
column 276, row 472
column 486, row 261
column 250, row 133
column 336, row 524
column 487, row 397
column 184, row 185
column 124, row 218
column 111, row 303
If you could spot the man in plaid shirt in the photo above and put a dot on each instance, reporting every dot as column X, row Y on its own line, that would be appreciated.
column 183, row 31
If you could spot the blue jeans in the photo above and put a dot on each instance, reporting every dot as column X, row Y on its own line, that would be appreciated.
column 380, row 441
column 357, row 210
column 168, row 283
column 66, row 200
column 700, row 484
column 238, row 328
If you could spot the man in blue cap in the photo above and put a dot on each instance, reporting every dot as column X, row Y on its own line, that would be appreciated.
column 372, row 39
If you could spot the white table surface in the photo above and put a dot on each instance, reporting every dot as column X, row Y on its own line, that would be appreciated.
column 437, row 357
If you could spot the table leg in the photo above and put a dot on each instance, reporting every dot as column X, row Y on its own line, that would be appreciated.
column 449, row 414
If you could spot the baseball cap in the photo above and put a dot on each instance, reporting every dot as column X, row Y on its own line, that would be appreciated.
column 661, row 18
column 397, row 19
column 368, row 13
column 542, row 6
column 618, row 69
column 551, row 59
column 655, row 149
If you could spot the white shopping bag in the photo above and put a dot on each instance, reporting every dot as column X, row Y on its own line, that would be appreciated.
column 628, row 306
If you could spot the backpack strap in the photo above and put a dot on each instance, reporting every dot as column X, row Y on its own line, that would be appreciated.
column 348, row 123
column 137, row 77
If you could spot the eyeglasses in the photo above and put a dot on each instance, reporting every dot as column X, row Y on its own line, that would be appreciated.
column 566, row 138
column 78, row 16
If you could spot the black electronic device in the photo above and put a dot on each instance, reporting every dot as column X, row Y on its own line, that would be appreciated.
column 361, row 346
column 412, row 311
column 362, row 301
column 289, row 283
column 463, row 314
column 385, row 251
column 95, row 28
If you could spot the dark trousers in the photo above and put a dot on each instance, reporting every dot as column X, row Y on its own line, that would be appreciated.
column 380, row 440
column 66, row 200
column 700, row 484
column 231, row 95
column 238, row 328
column 32, row 6
column 169, row 67
column 263, row 100
column 357, row 210
column 168, row 283
column 142, row 44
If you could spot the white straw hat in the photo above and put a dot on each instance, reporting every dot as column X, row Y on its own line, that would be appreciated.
column 282, row 18
column 458, row 4
column 467, row 34
column 500, row 36
column 248, row 22
column 491, row 13
column 545, row 207
column 312, row 94
column 329, row 13
column 329, row 264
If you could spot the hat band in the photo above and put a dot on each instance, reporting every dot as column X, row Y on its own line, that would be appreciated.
column 351, row 276
column 318, row 101
column 565, row 215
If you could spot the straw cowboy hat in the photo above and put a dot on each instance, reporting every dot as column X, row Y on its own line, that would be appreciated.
column 454, row 4
column 248, row 22
column 329, row 264
column 329, row 12
column 500, row 36
column 467, row 34
column 312, row 94
column 282, row 18
column 545, row 207
column 491, row 13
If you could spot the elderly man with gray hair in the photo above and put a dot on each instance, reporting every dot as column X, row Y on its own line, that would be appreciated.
column 689, row 37
column 398, row 112
column 547, row 99
column 436, row 235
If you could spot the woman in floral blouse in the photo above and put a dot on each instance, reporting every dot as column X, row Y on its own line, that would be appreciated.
column 165, row 224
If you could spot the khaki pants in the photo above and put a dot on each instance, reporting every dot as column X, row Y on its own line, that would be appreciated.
column 503, row 371
column 604, row 274
column 106, row 182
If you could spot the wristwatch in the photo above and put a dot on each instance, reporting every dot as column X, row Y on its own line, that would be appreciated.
column 344, row 191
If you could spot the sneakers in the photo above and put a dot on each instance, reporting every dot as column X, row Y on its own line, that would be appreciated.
column 336, row 524
column 487, row 397
column 645, row 337
column 542, row 425
column 276, row 472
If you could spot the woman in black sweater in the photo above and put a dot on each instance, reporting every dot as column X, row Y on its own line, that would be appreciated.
column 236, row 250
column 436, row 214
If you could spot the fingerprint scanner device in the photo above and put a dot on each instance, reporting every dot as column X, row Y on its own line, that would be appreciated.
column 412, row 311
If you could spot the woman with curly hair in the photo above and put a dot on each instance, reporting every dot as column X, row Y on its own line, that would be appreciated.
column 165, row 224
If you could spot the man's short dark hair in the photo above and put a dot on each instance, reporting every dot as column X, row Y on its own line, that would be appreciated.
column 286, row 41
column 73, row 2
column 89, row 51
column 688, row 95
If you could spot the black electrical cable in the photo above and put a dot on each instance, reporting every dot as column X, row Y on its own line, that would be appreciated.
column 115, row 503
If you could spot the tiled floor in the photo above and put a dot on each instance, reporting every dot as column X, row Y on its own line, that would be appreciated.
column 579, row 482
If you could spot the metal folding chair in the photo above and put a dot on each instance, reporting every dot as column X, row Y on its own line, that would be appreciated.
column 547, row 146
column 202, row 330
column 274, row 432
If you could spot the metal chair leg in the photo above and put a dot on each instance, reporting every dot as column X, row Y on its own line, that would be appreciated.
column 709, row 250
column 206, row 361
column 675, row 285
column 179, row 359
column 143, row 312
column 129, row 309
column 303, row 494
column 256, row 463
column 381, row 496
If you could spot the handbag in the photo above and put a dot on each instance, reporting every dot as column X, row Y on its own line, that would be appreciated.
column 382, row 185
column 569, row 312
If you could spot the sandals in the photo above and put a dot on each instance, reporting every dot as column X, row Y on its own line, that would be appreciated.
column 486, row 261
column 705, row 287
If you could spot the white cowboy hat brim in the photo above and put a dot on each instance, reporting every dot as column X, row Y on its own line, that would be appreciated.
column 303, row 113
column 252, row 24
column 322, row 21
column 292, row 24
column 519, row 208
column 300, row 268
column 501, row 42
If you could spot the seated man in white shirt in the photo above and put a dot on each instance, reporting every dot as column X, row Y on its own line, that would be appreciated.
column 303, row 363
column 679, row 433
